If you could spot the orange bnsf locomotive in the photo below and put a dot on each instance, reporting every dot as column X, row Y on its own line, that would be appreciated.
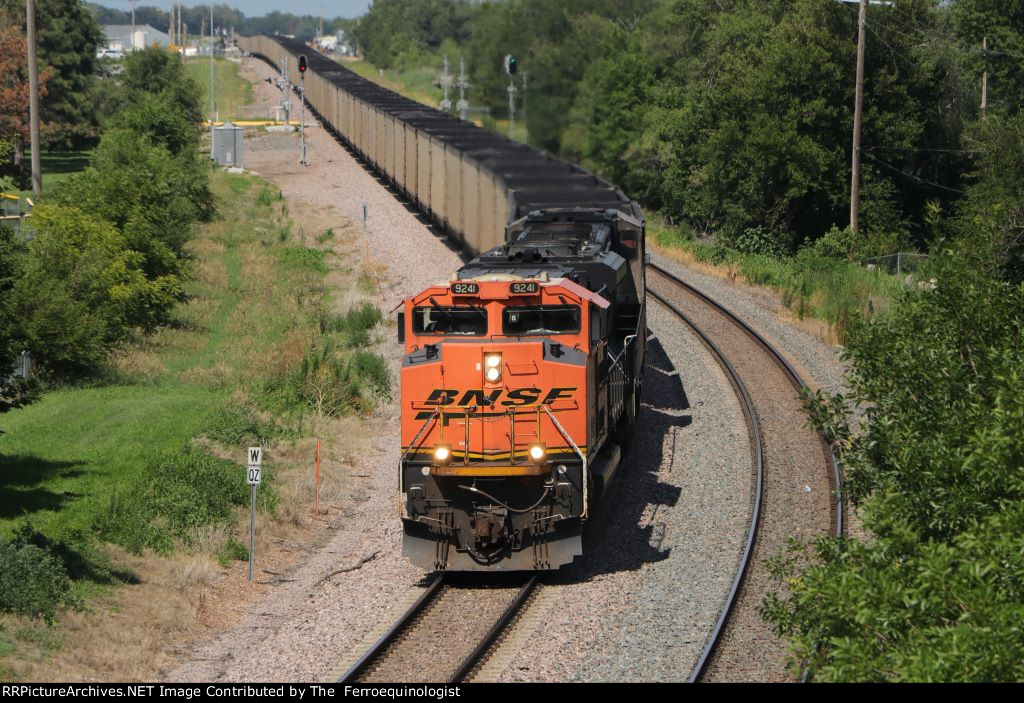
column 520, row 386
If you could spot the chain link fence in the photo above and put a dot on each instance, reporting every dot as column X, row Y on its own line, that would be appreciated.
column 897, row 264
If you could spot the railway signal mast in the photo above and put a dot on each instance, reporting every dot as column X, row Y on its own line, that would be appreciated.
column 511, row 66
column 446, row 81
column 463, row 105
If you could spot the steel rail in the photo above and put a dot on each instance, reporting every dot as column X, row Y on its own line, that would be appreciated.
column 800, row 384
column 398, row 628
column 477, row 655
column 408, row 619
column 755, row 513
column 794, row 377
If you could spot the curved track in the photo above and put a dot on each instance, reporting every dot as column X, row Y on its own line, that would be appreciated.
column 796, row 484
column 445, row 635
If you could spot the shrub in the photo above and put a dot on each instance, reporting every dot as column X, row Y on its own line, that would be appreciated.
column 180, row 494
column 834, row 244
column 32, row 582
column 354, row 325
column 83, row 289
column 759, row 240
column 238, row 425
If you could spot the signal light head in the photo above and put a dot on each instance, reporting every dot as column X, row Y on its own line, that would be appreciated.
column 302, row 63
column 511, row 64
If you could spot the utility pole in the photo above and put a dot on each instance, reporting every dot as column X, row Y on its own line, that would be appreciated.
column 212, row 153
column 33, row 100
column 984, row 75
column 133, row 24
column 858, row 109
column 526, row 129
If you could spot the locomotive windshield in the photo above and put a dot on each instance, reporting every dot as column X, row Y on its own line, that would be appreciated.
column 440, row 319
column 541, row 319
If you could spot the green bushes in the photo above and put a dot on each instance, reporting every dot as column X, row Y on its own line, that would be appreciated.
column 181, row 495
column 938, row 466
column 32, row 582
column 82, row 291
column 107, row 253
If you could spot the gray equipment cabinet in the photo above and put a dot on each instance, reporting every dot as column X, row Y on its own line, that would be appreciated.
column 228, row 146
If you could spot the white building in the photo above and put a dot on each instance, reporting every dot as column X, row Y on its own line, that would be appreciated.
column 120, row 38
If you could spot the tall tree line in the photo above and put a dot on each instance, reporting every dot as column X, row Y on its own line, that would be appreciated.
column 733, row 116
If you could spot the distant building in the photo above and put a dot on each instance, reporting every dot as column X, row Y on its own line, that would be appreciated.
column 120, row 39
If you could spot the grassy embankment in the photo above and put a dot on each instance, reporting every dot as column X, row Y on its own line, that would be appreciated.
column 148, row 461
column 829, row 290
column 231, row 92
column 56, row 166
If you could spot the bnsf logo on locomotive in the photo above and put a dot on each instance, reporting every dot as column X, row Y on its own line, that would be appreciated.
column 515, row 397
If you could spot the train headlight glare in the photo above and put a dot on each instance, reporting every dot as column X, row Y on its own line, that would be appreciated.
column 442, row 454
column 493, row 374
column 492, row 361
column 537, row 453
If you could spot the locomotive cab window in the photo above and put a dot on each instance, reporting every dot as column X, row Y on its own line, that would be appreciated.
column 453, row 320
column 540, row 319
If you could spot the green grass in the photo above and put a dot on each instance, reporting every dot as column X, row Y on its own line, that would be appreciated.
column 57, row 166
column 416, row 84
column 231, row 92
column 830, row 290
column 60, row 457
column 63, row 457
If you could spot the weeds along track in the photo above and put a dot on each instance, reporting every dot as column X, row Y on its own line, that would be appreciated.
column 794, row 485
column 447, row 633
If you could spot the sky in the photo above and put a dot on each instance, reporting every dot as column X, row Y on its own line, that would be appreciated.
column 255, row 8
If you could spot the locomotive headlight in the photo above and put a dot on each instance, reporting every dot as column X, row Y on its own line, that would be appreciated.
column 537, row 453
column 492, row 367
column 442, row 454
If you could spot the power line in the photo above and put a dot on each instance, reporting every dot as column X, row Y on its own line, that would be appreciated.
column 912, row 176
column 916, row 149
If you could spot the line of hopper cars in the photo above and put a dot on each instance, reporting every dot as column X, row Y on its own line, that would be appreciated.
column 521, row 374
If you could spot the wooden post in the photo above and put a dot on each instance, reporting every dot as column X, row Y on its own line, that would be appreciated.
column 33, row 99
column 858, row 109
column 317, row 509
column 984, row 75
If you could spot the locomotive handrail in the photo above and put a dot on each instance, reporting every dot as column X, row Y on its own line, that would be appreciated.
column 567, row 438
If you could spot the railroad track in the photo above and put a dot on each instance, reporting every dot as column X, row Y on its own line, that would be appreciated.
column 445, row 635
column 796, row 482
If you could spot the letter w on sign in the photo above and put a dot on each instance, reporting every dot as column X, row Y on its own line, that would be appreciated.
column 255, row 456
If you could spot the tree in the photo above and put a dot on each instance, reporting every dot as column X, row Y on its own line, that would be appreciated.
column 68, row 38
column 938, row 466
column 146, row 192
column 14, row 98
column 1000, row 23
column 13, row 392
column 82, row 289
column 990, row 225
